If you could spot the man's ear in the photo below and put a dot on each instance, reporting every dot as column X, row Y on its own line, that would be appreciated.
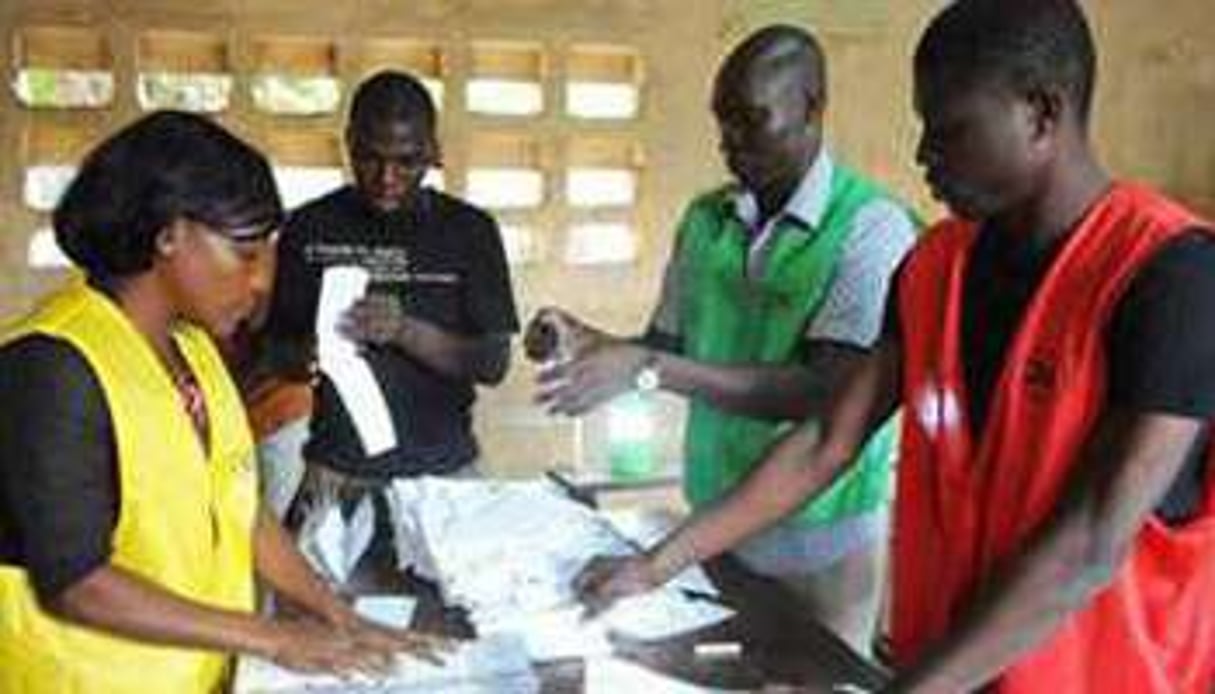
column 436, row 154
column 816, row 104
column 1047, row 107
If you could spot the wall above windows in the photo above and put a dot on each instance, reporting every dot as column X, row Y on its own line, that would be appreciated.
column 529, row 92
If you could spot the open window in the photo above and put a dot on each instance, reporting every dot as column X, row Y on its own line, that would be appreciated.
column 43, row 252
column 601, row 188
column 307, row 163
column 183, row 70
column 601, row 243
column 506, row 79
column 62, row 67
column 603, row 82
column 603, row 173
column 51, row 154
column 295, row 75
column 504, row 172
column 520, row 242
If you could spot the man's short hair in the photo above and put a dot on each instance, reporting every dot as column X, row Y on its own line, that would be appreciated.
column 779, row 48
column 390, row 96
column 164, row 166
column 1029, row 44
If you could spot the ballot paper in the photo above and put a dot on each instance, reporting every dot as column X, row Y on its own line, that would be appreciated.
column 340, row 361
column 508, row 552
column 614, row 676
column 554, row 634
column 387, row 610
column 334, row 545
column 662, row 614
column 496, row 664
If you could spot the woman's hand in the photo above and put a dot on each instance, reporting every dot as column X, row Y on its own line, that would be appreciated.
column 311, row 646
column 392, row 641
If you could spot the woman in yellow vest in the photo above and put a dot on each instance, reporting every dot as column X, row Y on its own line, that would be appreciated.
column 130, row 533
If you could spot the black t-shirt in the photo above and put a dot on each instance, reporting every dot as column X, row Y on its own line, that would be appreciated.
column 443, row 258
column 58, row 474
column 1160, row 341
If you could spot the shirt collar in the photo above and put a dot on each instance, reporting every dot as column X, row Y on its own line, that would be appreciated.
column 413, row 214
column 808, row 203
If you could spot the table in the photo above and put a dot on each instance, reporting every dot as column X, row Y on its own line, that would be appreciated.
column 780, row 644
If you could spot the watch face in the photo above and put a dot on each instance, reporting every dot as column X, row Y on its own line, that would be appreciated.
column 647, row 379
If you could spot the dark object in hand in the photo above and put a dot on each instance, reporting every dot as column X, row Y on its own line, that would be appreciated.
column 540, row 341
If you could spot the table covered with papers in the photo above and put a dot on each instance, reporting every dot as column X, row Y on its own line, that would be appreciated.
column 495, row 560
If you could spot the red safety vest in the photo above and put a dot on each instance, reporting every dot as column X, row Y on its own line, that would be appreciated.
column 966, row 504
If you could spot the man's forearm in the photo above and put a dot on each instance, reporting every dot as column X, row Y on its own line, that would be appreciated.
column 1128, row 467
column 764, row 392
column 798, row 468
column 1058, row 576
column 482, row 359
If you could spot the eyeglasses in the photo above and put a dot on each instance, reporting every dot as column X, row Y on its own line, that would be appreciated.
column 264, row 231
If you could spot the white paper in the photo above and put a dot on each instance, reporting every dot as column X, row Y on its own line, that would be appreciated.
column 339, row 359
column 334, row 545
column 555, row 634
column 662, row 614
column 509, row 552
column 387, row 610
column 615, row 676
column 492, row 664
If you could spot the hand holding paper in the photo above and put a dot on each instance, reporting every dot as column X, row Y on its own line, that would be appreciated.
column 342, row 287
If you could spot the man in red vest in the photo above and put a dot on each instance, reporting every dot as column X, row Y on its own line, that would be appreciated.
column 1053, row 348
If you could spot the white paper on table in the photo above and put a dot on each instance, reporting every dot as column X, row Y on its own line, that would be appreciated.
column 387, row 610
column 334, row 545
column 498, row 548
column 554, row 634
column 509, row 552
column 662, row 614
column 339, row 359
column 495, row 663
column 614, row 675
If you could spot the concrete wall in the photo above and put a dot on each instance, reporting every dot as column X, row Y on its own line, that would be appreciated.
column 1157, row 88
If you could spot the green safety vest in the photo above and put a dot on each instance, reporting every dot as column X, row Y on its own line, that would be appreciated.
column 729, row 318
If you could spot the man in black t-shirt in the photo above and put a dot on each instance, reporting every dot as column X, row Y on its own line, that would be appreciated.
column 438, row 314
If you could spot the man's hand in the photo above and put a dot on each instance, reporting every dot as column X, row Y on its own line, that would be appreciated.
column 376, row 319
column 554, row 335
column 584, row 367
column 604, row 580
column 576, row 387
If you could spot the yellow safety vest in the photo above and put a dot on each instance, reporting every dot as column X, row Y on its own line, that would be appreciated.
column 186, row 517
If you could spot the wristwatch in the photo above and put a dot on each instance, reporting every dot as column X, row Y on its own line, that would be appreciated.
column 648, row 379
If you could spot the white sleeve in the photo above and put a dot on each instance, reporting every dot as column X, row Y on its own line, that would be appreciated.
column 852, row 311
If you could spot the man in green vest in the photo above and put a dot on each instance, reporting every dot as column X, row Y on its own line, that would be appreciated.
column 773, row 294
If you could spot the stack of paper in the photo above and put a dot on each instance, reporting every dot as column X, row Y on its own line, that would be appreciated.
column 493, row 664
column 613, row 675
column 509, row 553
